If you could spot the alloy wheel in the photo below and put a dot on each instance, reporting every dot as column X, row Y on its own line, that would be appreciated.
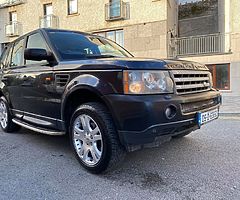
column 3, row 115
column 87, row 139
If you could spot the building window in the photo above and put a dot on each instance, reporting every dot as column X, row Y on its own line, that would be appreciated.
column 221, row 76
column 116, row 36
column 115, row 8
column 48, row 12
column 13, row 16
column 47, row 9
column 72, row 7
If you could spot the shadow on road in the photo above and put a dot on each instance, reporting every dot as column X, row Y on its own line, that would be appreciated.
column 147, row 168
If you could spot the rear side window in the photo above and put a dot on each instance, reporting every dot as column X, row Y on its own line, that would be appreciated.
column 36, row 41
column 17, row 54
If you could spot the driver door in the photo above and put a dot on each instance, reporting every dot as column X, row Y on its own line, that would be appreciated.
column 38, row 99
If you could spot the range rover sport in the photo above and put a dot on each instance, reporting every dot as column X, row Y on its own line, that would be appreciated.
column 60, row 82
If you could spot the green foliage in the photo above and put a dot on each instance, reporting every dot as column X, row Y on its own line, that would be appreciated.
column 195, row 9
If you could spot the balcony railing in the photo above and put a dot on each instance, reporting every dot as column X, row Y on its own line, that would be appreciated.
column 7, row 3
column 49, row 21
column 117, row 11
column 198, row 45
column 13, row 29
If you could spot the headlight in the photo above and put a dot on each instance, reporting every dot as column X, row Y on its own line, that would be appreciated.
column 147, row 82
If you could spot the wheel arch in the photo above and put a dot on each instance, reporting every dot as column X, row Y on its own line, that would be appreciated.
column 5, row 97
column 80, row 95
column 1, row 93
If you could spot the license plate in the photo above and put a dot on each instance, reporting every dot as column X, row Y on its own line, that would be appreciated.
column 206, row 117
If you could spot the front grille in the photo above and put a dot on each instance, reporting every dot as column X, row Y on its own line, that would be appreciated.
column 199, row 105
column 190, row 81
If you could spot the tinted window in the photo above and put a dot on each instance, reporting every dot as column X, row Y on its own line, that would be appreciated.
column 79, row 46
column 3, row 58
column 35, row 41
column 8, row 56
column 17, row 55
column 221, row 76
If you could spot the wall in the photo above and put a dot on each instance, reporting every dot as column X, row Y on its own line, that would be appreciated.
column 3, row 20
column 201, row 18
column 172, row 16
column 198, row 26
column 145, row 32
column 140, row 11
column 88, row 19
column 235, row 15
column 147, row 39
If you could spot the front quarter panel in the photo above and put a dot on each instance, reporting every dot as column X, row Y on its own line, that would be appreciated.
column 101, row 82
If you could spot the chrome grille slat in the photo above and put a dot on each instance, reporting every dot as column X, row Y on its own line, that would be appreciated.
column 189, row 72
column 192, row 86
column 190, row 92
column 190, row 81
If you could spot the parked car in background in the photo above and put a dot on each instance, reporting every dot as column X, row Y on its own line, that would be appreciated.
column 60, row 82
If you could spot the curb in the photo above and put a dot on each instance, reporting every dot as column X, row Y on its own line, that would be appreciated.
column 229, row 115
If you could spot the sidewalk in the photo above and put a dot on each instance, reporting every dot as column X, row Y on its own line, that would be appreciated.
column 230, row 106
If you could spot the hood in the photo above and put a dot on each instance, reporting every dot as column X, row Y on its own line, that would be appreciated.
column 132, row 63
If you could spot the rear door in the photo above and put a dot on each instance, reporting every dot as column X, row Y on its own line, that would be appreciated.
column 11, row 69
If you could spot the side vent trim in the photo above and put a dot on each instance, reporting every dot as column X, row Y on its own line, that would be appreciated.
column 61, row 80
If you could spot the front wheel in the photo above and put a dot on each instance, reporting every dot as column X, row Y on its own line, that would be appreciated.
column 94, row 138
column 6, row 118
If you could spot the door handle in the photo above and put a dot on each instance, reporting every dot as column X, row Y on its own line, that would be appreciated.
column 25, row 78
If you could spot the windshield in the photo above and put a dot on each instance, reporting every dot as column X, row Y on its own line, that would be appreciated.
column 73, row 45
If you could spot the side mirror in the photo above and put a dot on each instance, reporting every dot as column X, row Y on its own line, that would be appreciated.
column 38, row 55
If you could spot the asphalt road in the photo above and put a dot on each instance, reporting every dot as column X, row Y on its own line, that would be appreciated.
column 204, row 165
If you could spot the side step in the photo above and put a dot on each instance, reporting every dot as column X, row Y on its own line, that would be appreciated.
column 39, row 130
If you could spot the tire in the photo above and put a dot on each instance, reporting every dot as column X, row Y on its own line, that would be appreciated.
column 6, row 117
column 94, row 138
column 181, row 135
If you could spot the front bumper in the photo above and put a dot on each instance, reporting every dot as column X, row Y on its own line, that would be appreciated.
column 141, row 119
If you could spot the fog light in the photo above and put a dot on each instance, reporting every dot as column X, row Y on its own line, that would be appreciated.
column 170, row 112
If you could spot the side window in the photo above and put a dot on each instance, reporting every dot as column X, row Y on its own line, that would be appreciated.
column 3, row 58
column 36, row 41
column 17, row 54
column 7, row 60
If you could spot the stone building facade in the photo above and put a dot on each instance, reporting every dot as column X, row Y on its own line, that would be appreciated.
column 141, row 26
